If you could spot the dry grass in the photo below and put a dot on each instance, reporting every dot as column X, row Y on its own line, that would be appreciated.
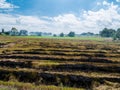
column 90, row 64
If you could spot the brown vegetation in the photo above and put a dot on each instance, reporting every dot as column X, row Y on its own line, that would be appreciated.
column 71, row 63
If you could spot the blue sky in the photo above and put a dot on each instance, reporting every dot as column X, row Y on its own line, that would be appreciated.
column 51, row 7
column 60, row 15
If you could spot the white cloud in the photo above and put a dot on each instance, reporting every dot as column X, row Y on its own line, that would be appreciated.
column 117, row 0
column 97, row 20
column 21, row 22
column 66, row 22
column 30, row 20
column 88, row 21
column 6, row 5
column 92, row 21
column 106, row 3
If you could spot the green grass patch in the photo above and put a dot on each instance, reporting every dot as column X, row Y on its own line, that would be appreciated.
column 94, row 38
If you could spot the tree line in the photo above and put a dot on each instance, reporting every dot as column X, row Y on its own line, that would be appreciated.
column 15, row 32
column 115, row 34
column 109, row 33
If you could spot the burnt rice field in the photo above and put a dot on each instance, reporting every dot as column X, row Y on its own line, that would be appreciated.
column 55, row 64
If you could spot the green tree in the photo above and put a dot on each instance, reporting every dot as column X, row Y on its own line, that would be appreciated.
column 7, row 33
column 114, row 37
column 54, row 35
column 3, row 31
column 107, row 32
column 61, row 34
column 118, row 33
column 14, row 32
column 23, row 33
column 71, row 34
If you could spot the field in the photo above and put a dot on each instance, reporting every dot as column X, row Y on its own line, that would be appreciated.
column 30, row 63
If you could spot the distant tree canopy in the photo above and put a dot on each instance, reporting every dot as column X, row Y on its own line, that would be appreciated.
column 54, row 35
column 118, row 33
column 71, row 34
column 87, row 34
column 110, row 33
column 115, row 34
column 23, row 33
column 14, row 32
column 61, row 34
column 3, row 30
column 7, row 33
column 13, row 28
column 107, row 32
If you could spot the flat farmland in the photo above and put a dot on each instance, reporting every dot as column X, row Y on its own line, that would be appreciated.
column 59, row 64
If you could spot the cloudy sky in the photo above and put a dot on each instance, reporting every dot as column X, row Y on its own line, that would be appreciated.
column 60, row 15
